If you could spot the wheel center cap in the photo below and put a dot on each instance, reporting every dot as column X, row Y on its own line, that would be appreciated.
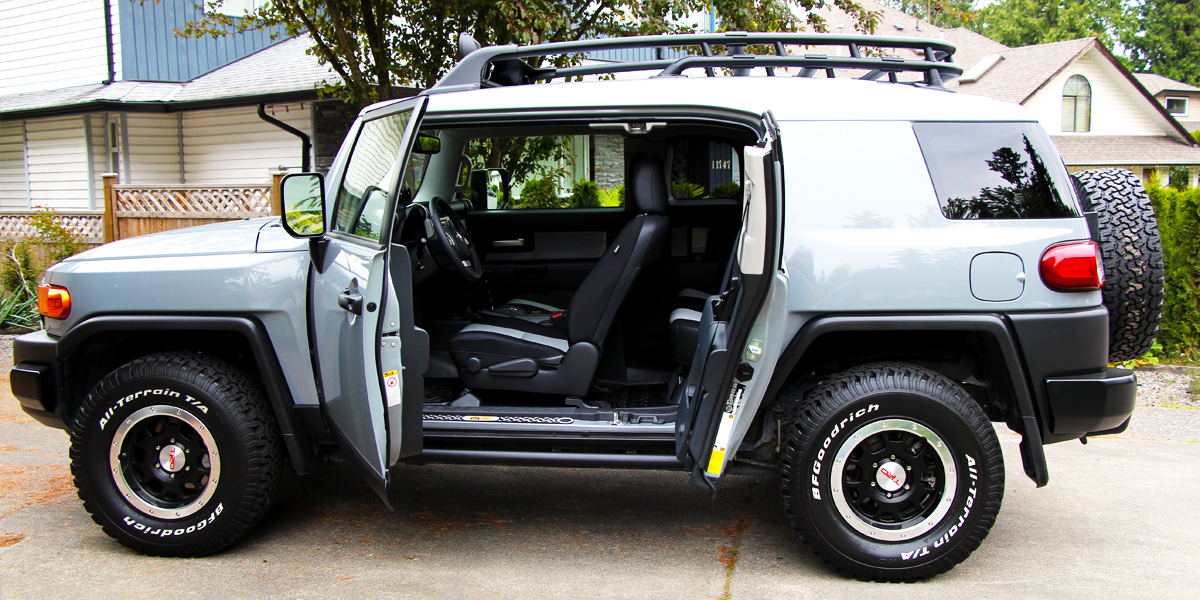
column 890, row 476
column 172, row 458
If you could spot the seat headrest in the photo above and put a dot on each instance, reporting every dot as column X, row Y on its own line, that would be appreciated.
column 648, row 186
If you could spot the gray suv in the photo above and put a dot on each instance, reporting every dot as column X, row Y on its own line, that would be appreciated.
column 825, row 267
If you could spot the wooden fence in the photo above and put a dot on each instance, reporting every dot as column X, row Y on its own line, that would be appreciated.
column 133, row 210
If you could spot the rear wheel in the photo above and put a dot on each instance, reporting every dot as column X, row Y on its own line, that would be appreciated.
column 176, row 454
column 892, row 473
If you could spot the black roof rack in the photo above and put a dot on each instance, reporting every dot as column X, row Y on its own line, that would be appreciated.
column 503, row 65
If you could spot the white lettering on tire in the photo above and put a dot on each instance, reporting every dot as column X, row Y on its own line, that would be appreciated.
column 838, row 427
column 160, row 532
column 145, row 394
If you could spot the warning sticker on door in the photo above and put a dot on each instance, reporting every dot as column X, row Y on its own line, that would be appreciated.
column 391, row 387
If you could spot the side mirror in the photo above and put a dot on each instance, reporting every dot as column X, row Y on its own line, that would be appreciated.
column 427, row 144
column 491, row 184
column 303, row 199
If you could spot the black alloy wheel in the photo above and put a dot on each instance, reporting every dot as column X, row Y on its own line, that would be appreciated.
column 176, row 454
column 891, row 472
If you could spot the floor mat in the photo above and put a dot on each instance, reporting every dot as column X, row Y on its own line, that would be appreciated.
column 632, row 396
column 442, row 391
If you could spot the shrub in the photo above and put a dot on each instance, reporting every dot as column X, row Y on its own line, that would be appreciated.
column 539, row 193
column 1179, row 225
column 584, row 194
column 20, row 267
column 684, row 189
column 612, row 197
column 726, row 190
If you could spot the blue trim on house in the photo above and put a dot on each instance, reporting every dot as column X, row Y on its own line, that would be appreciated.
column 150, row 50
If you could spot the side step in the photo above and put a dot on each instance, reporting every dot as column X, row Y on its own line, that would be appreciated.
column 548, row 459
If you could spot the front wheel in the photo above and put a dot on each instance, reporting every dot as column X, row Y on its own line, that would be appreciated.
column 892, row 472
column 176, row 454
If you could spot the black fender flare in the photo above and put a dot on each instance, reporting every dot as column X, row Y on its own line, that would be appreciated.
column 295, row 438
column 1033, row 456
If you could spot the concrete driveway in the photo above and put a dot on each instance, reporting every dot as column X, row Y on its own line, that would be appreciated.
column 1115, row 522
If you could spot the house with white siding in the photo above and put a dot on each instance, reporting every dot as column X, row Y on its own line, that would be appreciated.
column 91, row 87
column 1098, row 113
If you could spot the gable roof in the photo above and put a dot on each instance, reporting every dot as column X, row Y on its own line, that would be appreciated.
column 1025, row 70
column 1155, row 84
column 284, row 72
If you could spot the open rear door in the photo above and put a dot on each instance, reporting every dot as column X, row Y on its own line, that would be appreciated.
column 713, row 396
column 357, row 330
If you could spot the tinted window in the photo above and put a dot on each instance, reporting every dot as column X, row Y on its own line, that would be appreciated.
column 372, row 173
column 995, row 171
column 705, row 169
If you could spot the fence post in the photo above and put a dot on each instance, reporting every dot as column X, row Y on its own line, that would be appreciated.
column 276, row 192
column 110, row 201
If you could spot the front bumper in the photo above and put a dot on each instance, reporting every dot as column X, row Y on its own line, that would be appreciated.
column 33, row 379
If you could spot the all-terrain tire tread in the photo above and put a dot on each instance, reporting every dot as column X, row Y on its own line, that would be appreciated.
column 251, row 417
column 828, row 397
column 1134, row 271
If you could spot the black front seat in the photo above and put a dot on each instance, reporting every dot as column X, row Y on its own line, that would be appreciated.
column 509, row 353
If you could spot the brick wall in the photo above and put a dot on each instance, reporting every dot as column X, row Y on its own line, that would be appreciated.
column 610, row 160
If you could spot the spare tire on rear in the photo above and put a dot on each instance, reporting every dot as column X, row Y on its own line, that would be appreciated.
column 1133, row 258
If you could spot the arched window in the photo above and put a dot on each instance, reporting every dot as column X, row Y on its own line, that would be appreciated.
column 1077, row 105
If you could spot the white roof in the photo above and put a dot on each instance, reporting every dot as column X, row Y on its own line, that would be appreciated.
column 788, row 98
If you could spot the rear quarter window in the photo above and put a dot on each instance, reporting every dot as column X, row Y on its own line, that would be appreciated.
column 995, row 171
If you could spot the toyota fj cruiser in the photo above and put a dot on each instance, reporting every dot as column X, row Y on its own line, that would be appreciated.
column 825, row 266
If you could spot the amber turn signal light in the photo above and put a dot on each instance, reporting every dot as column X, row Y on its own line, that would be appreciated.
column 54, row 301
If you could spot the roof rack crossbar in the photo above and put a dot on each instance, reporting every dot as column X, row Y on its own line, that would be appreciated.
column 474, row 69
column 879, row 65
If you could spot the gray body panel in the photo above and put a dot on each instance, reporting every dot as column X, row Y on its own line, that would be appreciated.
column 182, row 274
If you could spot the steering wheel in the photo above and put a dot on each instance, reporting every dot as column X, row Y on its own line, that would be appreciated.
column 454, row 241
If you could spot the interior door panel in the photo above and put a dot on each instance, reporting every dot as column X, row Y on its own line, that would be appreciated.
column 542, row 251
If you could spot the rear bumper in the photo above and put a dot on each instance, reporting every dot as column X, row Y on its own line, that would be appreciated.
column 1091, row 403
column 33, row 379
column 1066, row 357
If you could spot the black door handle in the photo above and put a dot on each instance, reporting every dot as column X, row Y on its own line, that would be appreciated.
column 351, row 302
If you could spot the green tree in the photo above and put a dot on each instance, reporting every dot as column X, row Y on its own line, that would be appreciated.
column 379, row 47
column 1028, row 22
column 1167, row 39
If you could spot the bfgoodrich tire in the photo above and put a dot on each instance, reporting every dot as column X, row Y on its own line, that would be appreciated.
column 176, row 454
column 1133, row 258
column 891, row 472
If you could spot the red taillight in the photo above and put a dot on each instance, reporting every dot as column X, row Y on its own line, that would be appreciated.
column 54, row 301
column 1073, row 267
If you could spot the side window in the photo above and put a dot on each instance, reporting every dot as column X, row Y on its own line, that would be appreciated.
column 573, row 171
column 373, row 171
column 995, row 171
column 703, row 168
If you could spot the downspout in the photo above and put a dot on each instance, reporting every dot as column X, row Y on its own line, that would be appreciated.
column 305, row 160
column 108, row 42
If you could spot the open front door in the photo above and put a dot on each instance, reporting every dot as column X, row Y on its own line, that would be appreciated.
column 354, row 300
column 713, row 396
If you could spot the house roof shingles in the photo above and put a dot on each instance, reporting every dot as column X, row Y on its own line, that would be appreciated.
column 284, row 68
column 1156, row 84
column 1116, row 150
column 1024, row 70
